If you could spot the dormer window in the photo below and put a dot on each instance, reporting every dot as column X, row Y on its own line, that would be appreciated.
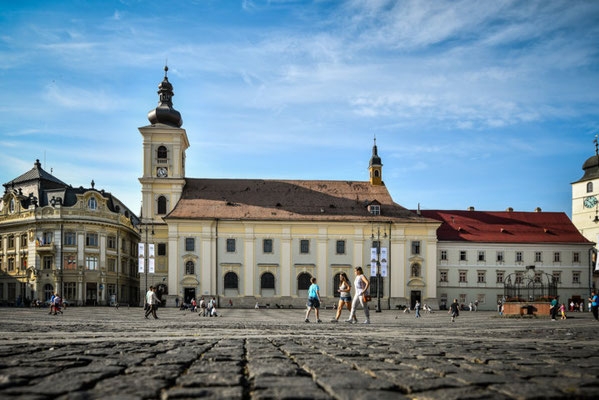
column 92, row 203
column 161, row 153
column 374, row 209
column 11, row 205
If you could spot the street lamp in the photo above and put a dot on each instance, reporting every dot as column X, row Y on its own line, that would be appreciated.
column 146, row 250
column 378, row 263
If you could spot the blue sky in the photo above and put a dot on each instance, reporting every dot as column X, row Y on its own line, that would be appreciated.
column 488, row 104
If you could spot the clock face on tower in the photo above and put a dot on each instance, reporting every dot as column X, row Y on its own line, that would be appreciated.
column 161, row 172
column 590, row 202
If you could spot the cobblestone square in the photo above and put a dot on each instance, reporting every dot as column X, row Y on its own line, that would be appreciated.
column 91, row 353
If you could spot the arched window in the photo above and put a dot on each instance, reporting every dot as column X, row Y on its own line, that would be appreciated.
column 231, row 280
column 267, row 281
column 48, row 291
column 11, row 206
column 92, row 203
column 189, row 268
column 376, row 173
column 161, row 205
column 416, row 270
column 336, row 284
column 303, row 281
column 590, row 187
column 161, row 152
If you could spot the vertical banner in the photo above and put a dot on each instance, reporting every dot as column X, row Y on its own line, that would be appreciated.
column 384, row 261
column 141, row 260
column 373, row 254
column 151, row 265
column 373, row 269
column 383, row 270
column 597, row 256
column 151, row 250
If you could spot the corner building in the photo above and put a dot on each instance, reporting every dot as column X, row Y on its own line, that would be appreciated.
column 254, row 240
column 79, row 242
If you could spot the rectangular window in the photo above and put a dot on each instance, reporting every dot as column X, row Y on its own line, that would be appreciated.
column 443, row 255
column 557, row 256
column 69, row 262
column 47, row 237
column 91, row 239
column 462, row 298
column 340, row 246
column 518, row 256
column 111, row 242
column 442, row 276
column 576, row 257
column 162, row 249
column 267, row 246
column 47, row 261
column 70, row 290
column 481, row 277
column 518, row 277
column 415, row 247
column 557, row 276
column 91, row 263
column 24, row 262
column 11, row 242
column 304, row 246
column 124, row 245
column 190, row 244
column 11, row 264
column 1, row 263
column 70, row 239
column 111, row 265
column 481, row 298
column 575, row 277
column 538, row 256
column 375, row 209
column 481, row 256
column 499, row 277
column 230, row 245
column 463, row 276
column 462, row 255
column 24, row 241
column 500, row 256
column 123, row 267
column 111, row 290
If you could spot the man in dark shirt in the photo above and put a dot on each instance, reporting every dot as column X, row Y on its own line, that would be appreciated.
column 553, row 309
column 454, row 310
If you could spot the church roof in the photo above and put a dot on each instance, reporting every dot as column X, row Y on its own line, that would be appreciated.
column 301, row 200
column 505, row 227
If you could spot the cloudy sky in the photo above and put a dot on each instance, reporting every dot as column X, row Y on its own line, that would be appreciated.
column 488, row 104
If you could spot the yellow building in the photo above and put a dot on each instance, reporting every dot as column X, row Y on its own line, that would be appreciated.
column 253, row 240
column 79, row 242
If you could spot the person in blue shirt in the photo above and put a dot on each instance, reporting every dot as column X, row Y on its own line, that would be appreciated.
column 594, row 299
column 313, row 300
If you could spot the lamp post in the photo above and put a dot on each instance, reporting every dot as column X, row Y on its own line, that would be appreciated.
column 378, row 263
column 146, row 250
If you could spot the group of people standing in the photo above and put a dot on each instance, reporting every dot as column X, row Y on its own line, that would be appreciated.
column 207, row 308
column 362, row 297
column 56, row 304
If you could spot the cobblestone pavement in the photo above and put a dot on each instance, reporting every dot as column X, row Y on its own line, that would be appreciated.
column 90, row 353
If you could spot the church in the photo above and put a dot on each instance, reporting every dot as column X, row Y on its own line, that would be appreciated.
column 260, row 241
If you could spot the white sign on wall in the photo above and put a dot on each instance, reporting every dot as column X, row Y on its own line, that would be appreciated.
column 151, row 265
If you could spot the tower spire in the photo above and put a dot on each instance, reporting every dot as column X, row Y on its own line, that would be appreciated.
column 375, row 166
column 596, row 146
column 165, row 113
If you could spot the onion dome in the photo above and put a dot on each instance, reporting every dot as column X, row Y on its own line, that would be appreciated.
column 375, row 160
column 591, row 165
column 165, row 113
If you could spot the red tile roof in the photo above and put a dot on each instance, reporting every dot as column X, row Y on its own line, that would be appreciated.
column 258, row 199
column 505, row 227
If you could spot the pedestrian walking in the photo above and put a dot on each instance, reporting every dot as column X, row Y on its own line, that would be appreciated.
column 470, row 306
column 152, row 302
column 417, row 309
column 594, row 302
column 361, row 285
column 475, row 305
column 344, row 296
column 454, row 310
column 313, row 300
column 572, row 306
column 563, row 311
column 177, row 301
column 553, row 309
column 194, row 305
column 52, row 303
column 212, row 307
column 203, row 307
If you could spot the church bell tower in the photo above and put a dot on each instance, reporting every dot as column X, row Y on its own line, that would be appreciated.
column 375, row 167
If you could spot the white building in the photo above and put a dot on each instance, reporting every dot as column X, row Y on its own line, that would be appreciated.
column 477, row 250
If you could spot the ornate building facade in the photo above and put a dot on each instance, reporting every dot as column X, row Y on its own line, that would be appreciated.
column 253, row 240
column 79, row 242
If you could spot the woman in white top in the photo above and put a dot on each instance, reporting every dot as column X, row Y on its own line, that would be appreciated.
column 361, row 285
column 344, row 296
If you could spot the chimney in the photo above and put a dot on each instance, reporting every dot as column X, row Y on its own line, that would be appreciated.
column 538, row 209
column 509, row 209
column 471, row 208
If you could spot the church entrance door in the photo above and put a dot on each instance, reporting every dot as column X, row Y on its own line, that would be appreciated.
column 414, row 296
